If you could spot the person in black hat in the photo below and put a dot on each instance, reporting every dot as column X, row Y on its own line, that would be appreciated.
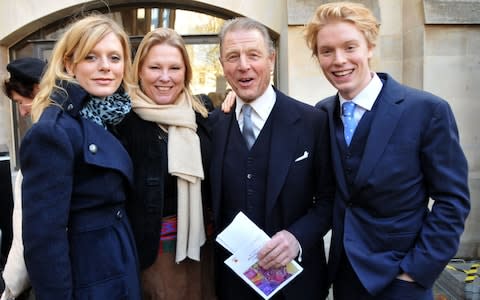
column 22, row 86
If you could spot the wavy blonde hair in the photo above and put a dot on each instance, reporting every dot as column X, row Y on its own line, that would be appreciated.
column 75, row 44
column 355, row 13
column 170, row 37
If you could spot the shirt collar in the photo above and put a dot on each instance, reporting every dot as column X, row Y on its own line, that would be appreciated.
column 262, row 105
column 367, row 97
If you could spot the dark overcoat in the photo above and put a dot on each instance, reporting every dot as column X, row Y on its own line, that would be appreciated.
column 78, row 241
column 299, row 187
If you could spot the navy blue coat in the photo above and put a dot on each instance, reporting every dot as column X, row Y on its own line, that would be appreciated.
column 382, row 221
column 299, row 193
column 77, row 238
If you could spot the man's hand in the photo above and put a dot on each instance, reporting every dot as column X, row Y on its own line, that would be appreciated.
column 228, row 102
column 279, row 251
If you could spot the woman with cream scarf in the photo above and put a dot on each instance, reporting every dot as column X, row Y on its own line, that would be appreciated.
column 168, row 137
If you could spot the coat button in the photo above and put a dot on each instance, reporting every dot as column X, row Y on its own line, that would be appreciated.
column 70, row 107
column 249, row 176
column 92, row 148
column 119, row 214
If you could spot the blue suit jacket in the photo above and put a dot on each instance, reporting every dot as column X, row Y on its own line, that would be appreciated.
column 412, row 152
column 299, row 194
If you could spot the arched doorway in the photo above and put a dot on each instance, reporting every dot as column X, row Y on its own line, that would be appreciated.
column 199, row 27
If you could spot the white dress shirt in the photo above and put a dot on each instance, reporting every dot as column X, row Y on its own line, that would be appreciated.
column 365, row 99
column 261, row 108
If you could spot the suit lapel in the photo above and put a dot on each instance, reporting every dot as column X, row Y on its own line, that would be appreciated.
column 387, row 116
column 219, row 142
column 329, row 106
column 284, row 139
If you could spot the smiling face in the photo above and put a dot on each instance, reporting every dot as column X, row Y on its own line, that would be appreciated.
column 343, row 55
column 100, row 73
column 162, row 74
column 247, row 63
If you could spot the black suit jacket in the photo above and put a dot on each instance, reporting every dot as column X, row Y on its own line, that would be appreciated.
column 299, row 190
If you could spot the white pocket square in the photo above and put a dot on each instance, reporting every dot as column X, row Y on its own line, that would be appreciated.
column 305, row 155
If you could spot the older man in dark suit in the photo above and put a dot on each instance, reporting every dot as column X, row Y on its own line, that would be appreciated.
column 271, row 161
column 393, row 148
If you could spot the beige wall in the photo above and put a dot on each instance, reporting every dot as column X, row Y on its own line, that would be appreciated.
column 307, row 82
column 6, row 134
column 413, row 45
column 452, row 70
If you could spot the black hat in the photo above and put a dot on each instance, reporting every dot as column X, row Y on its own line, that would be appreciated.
column 28, row 69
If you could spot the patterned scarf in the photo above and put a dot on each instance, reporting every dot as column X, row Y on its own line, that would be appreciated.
column 107, row 111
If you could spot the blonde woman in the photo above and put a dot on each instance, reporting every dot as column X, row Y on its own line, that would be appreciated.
column 168, row 138
column 77, row 239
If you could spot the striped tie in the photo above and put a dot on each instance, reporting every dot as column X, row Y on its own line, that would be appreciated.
column 247, row 132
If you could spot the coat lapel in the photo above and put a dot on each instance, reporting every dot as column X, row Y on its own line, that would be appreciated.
column 284, row 139
column 329, row 106
column 104, row 149
column 219, row 142
column 385, row 121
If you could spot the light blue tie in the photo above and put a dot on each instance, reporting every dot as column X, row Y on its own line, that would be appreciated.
column 247, row 132
column 349, row 123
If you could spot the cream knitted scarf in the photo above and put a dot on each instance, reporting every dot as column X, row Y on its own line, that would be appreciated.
column 184, row 162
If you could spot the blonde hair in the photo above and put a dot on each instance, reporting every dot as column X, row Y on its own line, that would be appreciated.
column 75, row 44
column 170, row 37
column 355, row 13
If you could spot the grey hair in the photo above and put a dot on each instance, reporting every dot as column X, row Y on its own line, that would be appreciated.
column 244, row 23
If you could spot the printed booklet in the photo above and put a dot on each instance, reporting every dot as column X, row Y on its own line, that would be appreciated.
column 244, row 239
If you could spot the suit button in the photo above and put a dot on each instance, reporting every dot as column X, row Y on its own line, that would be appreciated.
column 92, row 148
column 119, row 214
column 249, row 176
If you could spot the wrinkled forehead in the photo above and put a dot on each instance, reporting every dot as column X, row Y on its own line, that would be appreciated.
column 244, row 39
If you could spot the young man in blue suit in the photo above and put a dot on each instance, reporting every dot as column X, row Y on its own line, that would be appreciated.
column 398, row 148
column 280, row 176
